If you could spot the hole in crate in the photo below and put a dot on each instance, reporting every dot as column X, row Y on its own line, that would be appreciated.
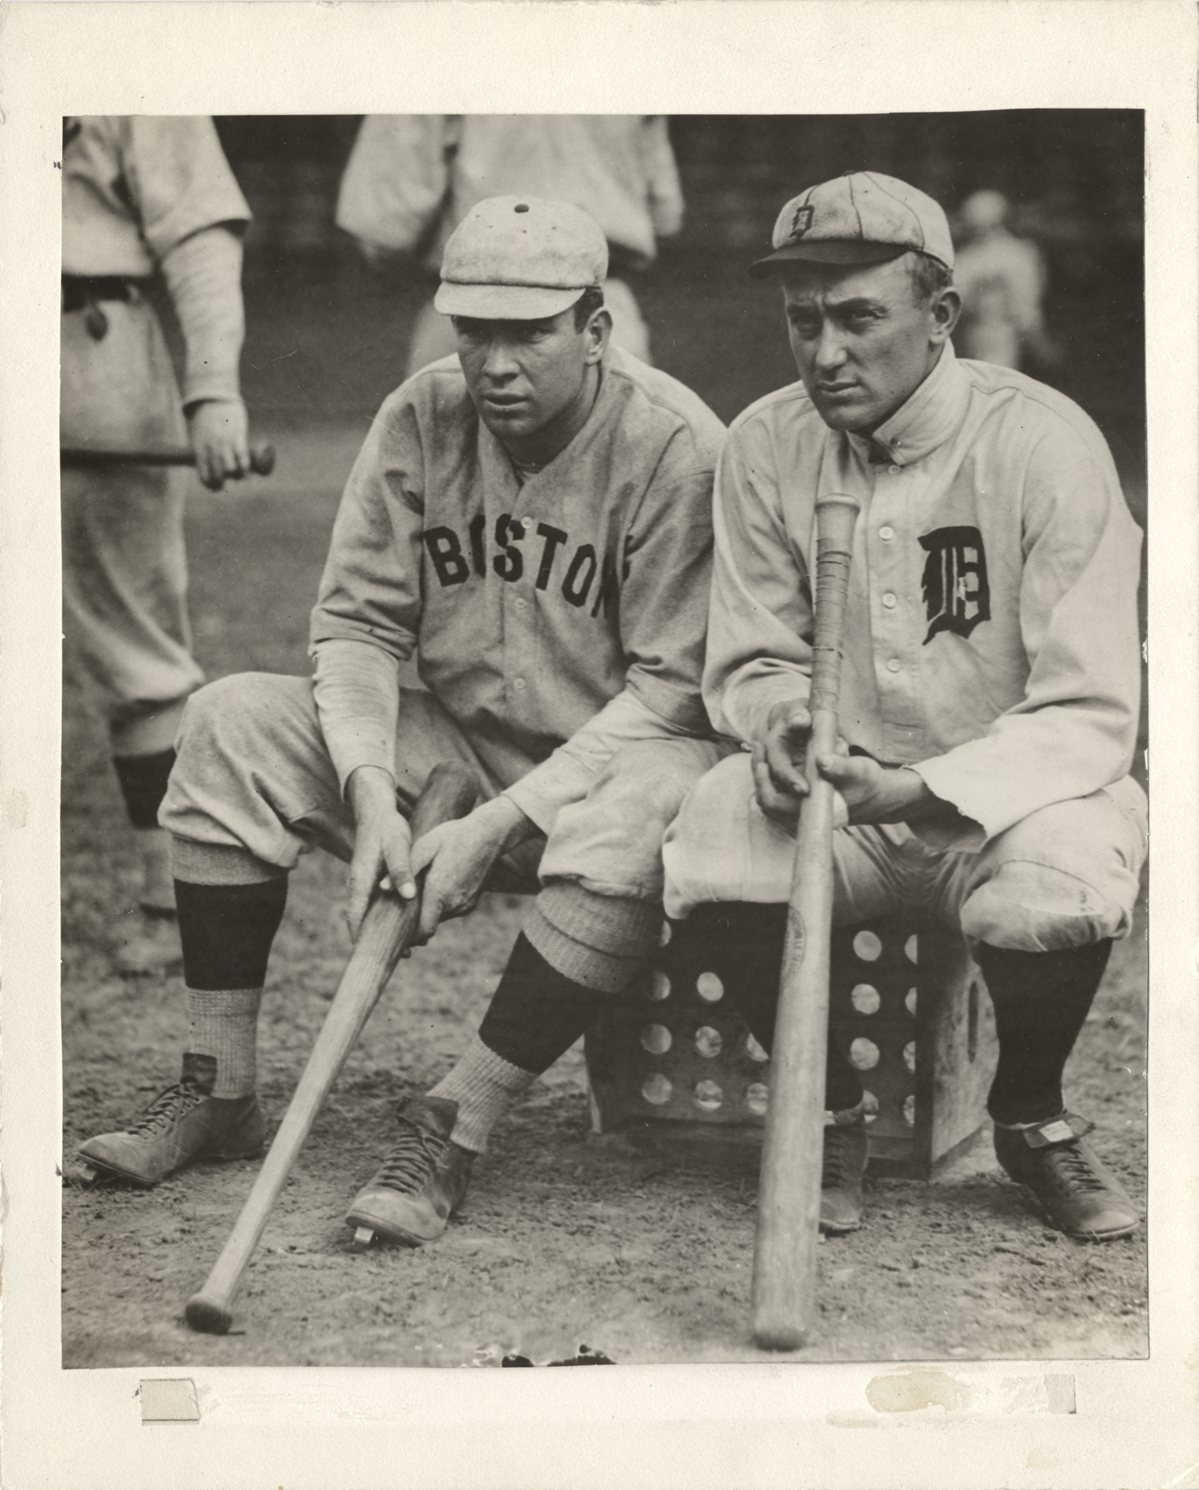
column 664, row 935
column 911, row 948
column 756, row 1097
column 708, row 1095
column 656, row 1089
column 863, row 1053
column 865, row 998
column 709, row 987
column 869, row 1107
column 909, row 1055
column 909, row 1111
column 867, row 946
column 661, row 988
column 910, row 1001
column 708, row 1041
column 656, row 1039
column 754, row 1050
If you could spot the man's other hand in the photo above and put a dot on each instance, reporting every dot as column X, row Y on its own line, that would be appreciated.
column 778, row 763
column 458, row 856
column 382, row 842
column 877, row 794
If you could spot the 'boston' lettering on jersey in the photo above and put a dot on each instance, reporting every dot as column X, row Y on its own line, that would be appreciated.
column 954, row 583
column 575, row 579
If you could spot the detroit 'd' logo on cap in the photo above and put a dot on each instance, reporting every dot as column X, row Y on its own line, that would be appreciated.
column 802, row 221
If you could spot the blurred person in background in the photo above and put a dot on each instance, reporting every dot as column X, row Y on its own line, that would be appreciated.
column 146, row 201
column 412, row 178
column 1001, row 279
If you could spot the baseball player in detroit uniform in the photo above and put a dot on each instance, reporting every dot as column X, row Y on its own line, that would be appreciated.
column 412, row 178
column 533, row 518
column 991, row 674
column 144, row 196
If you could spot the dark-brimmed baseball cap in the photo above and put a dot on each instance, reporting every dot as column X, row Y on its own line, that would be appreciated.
column 520, row 259
column 862, row 217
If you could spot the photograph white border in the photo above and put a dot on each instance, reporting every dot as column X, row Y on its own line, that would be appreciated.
column 1136, row 1423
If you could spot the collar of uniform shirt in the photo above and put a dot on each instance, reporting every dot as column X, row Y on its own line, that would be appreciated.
column 926, row 420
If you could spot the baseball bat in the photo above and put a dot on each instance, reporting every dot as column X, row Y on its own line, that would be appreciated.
column 262, row 457
column 387, row 932
column 784, row 1284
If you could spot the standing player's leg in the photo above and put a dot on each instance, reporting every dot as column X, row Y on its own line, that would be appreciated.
column 125, row 583
column 594, row 927
column 1042, row 904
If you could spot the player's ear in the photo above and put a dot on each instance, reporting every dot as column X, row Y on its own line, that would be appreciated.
column 598, row 332
column 946, row 307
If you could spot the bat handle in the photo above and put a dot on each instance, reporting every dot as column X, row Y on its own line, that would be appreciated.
column 387, row 931
column 262, row 459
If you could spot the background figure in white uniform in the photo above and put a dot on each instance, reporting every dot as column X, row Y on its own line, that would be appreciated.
column 412, row 178
column 1001, row 279
column 143, row 196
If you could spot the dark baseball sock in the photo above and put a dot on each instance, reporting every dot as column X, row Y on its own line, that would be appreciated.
column 227, row 931
column 143, row 783
column 1041, row 1000
column 537, row 1013
column 743, row 944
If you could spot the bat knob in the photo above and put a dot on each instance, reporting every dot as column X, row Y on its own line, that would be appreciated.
column 262, row 460
column 207, row 1315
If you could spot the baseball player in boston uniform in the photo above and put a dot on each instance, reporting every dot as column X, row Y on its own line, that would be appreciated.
column 144, row 196
column 532, row 519
column 991, row 674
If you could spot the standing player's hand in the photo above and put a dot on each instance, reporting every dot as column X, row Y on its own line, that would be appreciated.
column 382, row 843
column 219, row 434
column 458, row 857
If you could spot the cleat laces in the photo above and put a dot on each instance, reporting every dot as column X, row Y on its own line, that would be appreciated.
column 167, row 1108
column 1072, row 1171
column 413, row 1160
column 839, row 1169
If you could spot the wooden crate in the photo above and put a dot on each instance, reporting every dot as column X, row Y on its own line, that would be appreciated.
column 907, row 1005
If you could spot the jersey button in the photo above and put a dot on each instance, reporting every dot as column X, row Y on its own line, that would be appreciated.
column 889, row 600
column 519, row 683
column 894, row 665
column 895, row 470
column 522, row 605
column 886, row 533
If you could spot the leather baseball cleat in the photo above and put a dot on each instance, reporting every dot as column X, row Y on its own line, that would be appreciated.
column 845, row 1154
column 182, row 1125
column 1075, row 1191
column 421, row 1183
column 149, row 946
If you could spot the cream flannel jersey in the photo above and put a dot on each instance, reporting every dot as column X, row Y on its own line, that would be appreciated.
column 991, row 636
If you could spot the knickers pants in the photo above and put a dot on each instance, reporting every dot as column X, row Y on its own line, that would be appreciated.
column 254, row 788
column 1066, row 876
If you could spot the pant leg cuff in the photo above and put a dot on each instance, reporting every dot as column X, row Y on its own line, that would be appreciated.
column 219, row 864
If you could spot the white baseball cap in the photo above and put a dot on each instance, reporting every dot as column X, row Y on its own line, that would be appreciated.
column 862, row 217
column 519, row 259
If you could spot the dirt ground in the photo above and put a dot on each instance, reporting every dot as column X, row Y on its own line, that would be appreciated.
column 566, row 1239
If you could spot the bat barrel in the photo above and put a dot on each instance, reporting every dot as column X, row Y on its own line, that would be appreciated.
column 386, row 932
column 784, row 1285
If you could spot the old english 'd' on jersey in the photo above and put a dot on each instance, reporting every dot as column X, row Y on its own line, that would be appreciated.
column 532, row 605
column 991, row 638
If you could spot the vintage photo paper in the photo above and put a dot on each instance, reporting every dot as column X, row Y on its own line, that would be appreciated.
column 1047, row 1360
